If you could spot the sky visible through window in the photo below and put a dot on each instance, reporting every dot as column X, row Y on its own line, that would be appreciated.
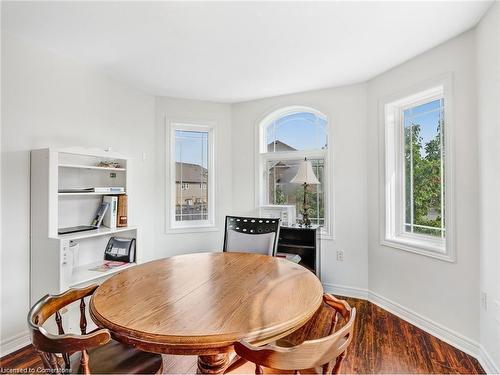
column 427, row 116
column 301, row 131
column 191, row 147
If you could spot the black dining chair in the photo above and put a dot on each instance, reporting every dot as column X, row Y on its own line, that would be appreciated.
column 251, row 235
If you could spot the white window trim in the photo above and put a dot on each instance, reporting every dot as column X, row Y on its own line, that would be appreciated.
column 390, row 197
column 261, row 197
column 190, row 226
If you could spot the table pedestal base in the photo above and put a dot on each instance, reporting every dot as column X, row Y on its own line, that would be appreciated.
column 212, row 364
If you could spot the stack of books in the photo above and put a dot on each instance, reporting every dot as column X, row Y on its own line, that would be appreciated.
column 116, row 216
column 108, row 189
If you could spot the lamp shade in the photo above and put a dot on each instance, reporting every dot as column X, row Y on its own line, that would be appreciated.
column 305, row 174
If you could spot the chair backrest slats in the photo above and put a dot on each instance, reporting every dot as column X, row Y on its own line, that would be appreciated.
column 47, row 344
column 325, row 353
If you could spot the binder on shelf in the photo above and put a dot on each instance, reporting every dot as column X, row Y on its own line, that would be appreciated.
column 122, row 215
column 110, row 218
column 99, row 216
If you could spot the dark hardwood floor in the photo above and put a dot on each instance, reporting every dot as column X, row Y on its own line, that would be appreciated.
column 383, row 343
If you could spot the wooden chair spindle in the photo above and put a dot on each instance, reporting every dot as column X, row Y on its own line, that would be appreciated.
column 335, row 319
column 83, row 318
column 45, row 359
column 84, row 363
column 54, row 365
column 60, row 328
column 338, row 363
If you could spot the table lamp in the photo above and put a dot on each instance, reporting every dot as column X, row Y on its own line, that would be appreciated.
column 305, row 176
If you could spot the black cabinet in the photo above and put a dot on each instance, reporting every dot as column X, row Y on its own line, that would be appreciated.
column 302, row 241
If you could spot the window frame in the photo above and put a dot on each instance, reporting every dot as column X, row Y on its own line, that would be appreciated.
column 190, row 225
column 392, row 182
column 263, row 157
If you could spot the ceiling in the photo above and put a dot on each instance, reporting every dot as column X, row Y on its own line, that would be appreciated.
column 238, row 51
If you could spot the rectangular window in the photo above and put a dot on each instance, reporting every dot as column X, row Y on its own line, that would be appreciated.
column 416, row 174
column 192, row 183
column 282, row 191
column 424, row 168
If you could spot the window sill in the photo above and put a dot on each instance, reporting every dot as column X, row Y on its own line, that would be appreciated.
column 193, row 229
column 326, row 236
column 420, row 247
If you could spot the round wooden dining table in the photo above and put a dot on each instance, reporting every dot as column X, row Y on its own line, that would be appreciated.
column 202, row 303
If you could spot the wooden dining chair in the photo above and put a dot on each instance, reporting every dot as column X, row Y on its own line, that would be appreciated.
column 82, row 353
column 251, row 235
column 319, row 347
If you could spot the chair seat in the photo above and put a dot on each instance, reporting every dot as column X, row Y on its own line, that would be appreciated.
column 117, row 358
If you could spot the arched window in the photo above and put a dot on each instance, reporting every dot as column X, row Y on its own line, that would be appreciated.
column 286, row 137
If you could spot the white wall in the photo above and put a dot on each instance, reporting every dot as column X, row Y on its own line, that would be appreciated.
column 446, row 293
column 345, row 108
column 488, row 74
column 192, row 111
column 49, row 101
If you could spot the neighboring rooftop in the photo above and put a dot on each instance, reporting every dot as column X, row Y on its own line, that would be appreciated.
column 279, row 146
column 193, row 173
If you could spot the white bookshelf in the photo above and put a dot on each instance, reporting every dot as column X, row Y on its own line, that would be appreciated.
column 55, row 265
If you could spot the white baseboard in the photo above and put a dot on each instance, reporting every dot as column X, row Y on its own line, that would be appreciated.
column 346, row 291
column 435, row 329
column 487, row 362
column 14, row 343
column 443, row 333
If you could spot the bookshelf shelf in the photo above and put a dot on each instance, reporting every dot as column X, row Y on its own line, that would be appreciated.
column 102, row 231
column 89, row 194
column 297, row 246
column 94, row 167
column 84, row 274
